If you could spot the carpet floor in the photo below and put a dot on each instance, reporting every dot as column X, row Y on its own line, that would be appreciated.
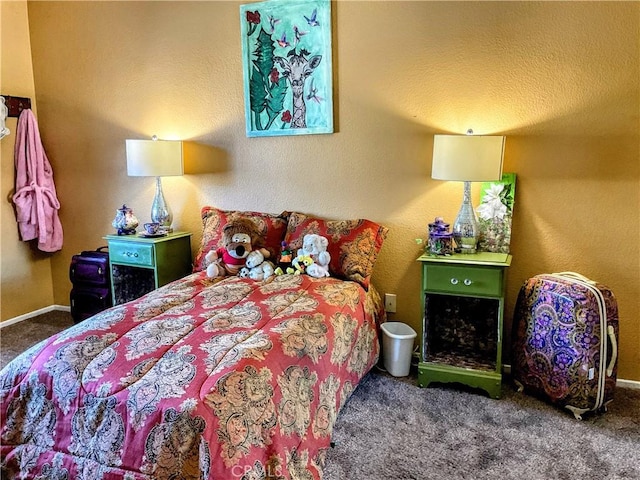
column 18, row 337
column 390, row 429
column 393, row 430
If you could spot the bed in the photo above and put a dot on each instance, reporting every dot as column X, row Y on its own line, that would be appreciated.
column 202, row 378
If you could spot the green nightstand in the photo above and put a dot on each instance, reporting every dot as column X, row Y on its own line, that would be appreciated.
column 463, row 307
column 140, row 265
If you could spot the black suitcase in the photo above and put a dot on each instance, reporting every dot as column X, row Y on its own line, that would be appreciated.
column 86, row 302
column 91, row 293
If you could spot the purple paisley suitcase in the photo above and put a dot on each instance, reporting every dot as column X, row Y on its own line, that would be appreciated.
column 564, row 349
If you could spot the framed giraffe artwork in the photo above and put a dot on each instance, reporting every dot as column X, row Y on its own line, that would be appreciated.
column 287, row 67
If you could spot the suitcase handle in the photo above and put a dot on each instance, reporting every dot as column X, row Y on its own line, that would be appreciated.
column 614, row 349
column 576, row 275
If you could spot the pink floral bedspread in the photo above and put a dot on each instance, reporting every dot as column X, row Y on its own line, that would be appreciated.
column 230, row 379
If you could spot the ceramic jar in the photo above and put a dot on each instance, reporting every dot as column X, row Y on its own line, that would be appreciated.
column 125, row 222
column 440, row 239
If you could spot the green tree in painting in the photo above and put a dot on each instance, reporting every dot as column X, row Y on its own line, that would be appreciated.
column 267, row 89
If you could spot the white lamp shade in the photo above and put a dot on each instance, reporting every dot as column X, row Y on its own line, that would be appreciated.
column 467, row 158
column 154, row 158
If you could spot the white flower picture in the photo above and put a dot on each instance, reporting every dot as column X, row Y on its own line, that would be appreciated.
column 495, row 213
column 492, row 206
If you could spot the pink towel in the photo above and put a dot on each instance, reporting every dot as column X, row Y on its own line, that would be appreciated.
column 35, row 198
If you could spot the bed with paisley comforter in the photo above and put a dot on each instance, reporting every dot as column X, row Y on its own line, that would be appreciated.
column 202, row 378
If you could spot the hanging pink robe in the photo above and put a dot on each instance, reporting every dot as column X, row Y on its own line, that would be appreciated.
column 35, row 198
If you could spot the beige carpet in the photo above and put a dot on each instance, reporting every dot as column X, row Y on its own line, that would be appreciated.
column 18, row 337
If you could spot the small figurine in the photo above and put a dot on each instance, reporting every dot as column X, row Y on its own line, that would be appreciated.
column 286, row 257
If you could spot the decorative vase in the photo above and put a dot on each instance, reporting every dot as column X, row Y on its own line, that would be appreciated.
column 125, row 222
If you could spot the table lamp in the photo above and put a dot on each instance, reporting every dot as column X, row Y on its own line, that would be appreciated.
column 467, row 158
column 156, row 158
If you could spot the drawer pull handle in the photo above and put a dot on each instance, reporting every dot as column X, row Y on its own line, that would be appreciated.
column 131, row 254
column 454, row 281
column 467, row 282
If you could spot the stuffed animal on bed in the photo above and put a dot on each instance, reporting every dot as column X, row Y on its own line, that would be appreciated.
column 258, row 267
column 315, row 246
column 300, row 264
column 240, row 240
column 286, row 256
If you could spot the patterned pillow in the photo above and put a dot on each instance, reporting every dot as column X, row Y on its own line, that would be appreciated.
column 272, row 228
column 353, row 244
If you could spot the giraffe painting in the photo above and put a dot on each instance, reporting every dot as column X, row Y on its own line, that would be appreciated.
column 287, row 65
column 296, row 69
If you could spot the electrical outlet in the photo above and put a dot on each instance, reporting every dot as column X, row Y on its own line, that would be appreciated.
column 390, row 302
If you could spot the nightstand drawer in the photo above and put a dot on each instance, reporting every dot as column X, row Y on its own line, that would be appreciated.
column 132, row 253
column 463, row 280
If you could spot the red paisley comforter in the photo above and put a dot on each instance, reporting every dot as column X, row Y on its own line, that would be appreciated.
column 230, row 379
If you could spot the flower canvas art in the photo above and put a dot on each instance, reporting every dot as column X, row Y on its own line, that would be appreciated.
column 495, row 214
column 287, row 67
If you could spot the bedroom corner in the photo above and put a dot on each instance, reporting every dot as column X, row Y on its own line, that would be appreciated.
column 27, row 282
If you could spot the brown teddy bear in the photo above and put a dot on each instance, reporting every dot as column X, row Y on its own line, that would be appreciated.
column 240, row 239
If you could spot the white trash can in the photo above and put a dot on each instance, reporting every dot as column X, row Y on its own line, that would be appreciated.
column 397, row 347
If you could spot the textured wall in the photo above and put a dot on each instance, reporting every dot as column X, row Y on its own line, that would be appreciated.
column 25, row 271
column 559, row 79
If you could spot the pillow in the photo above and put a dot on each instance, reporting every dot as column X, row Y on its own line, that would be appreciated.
column 272, row 228
column 353, row 244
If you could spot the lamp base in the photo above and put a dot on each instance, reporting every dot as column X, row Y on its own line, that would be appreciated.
column 465, row 227
column 160, row 212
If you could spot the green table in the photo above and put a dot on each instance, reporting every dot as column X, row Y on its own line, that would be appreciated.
column 139, row 265
column 463, row 307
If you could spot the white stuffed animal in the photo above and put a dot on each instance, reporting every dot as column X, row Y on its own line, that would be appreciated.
column 315, row 246
column 258, row 267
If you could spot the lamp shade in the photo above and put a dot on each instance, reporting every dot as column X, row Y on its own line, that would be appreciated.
column 154, row 158
column 467, row 158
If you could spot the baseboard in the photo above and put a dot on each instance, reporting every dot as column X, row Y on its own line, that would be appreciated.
column 506, row 369
column 628, row 383
column 35, row 313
